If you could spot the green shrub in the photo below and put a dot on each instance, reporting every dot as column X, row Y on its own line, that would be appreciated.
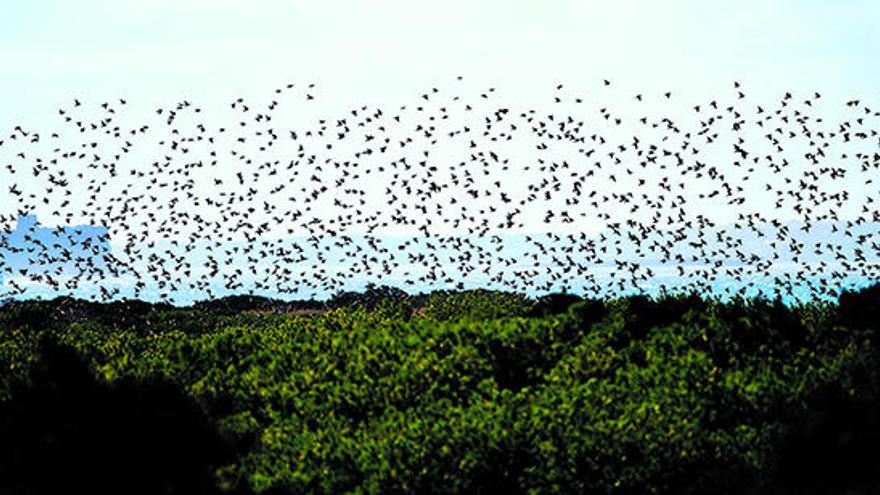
column 480, row 391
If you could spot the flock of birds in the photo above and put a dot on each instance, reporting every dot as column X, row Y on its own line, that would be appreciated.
column 451, row 190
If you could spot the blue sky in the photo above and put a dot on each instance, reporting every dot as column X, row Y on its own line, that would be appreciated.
column 159, row 52
column 158, row 49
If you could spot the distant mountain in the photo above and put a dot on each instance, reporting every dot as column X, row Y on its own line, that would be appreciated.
column 762, row 251
column 30, row 252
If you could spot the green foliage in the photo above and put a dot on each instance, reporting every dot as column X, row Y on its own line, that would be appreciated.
column 475, row 304
column 479, row 392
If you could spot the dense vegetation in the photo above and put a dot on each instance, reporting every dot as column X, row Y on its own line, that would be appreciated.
column 473, row 392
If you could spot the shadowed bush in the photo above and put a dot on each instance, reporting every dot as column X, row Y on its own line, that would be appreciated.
column 552, row 304
column 65, row 432
column 861, row 308
column 833, row 450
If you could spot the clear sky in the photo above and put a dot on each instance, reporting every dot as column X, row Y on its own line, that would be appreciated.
column 168, row 49
column 385, row 53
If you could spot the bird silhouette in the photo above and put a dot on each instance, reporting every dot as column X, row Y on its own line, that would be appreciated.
column 609, row 202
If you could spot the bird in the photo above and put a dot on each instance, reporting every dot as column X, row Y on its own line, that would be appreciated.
column 292, row 210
